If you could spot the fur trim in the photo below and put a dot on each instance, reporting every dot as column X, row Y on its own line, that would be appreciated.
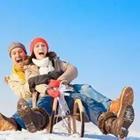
column 101, row 120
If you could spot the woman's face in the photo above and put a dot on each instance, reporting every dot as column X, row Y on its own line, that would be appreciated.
column 18, row 56
column 40, row 50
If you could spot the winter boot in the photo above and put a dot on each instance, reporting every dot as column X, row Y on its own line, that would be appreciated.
column 110, row 124
column 128, row 116
column 119, row 106
column 34, row 119
column 7, row 123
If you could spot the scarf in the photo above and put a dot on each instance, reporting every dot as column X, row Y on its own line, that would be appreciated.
column 19, row 72
column 45, row 65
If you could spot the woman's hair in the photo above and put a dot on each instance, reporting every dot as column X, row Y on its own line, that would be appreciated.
column 30, row 58
column 49, row 54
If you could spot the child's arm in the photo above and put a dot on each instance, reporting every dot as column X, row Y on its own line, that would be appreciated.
column 42, row 79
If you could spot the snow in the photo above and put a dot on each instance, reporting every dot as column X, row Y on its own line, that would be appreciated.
column 60, row 133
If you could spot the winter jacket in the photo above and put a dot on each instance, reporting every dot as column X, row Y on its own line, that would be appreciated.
column 22, row 89
column 69, row 71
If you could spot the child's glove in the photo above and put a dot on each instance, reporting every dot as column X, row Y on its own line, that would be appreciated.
column 53, row 92
column 54, row 83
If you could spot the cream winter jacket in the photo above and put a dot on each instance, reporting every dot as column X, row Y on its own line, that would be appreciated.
column 20, row 88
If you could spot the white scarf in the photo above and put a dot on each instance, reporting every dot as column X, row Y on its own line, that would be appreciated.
column 45, row 65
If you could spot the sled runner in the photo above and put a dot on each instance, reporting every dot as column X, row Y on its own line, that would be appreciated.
column 71, row 119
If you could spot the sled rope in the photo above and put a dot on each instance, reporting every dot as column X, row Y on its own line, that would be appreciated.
column 63, row 110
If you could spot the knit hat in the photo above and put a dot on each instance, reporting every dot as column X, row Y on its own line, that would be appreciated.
column 16, row 45
column 35, row 41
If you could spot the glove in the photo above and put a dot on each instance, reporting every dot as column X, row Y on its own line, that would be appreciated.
column 53, row 92
column 54, row 83
column 6, row 79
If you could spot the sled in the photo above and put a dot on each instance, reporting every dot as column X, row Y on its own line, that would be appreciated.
column 77, row 116
column 75, row 120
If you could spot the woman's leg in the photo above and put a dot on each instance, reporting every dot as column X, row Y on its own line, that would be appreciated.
column 92, row 108
column 106, row 121
column 18, row 119
column 87, row 90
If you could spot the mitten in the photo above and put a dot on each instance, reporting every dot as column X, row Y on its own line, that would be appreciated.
column 54, row 83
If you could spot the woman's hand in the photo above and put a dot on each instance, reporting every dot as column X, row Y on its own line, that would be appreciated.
column 6, row 79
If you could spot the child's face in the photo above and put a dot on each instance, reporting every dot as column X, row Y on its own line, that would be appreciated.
column 18, row 56
column 40, row 50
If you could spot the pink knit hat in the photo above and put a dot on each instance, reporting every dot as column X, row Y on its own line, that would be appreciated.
column 36, row 40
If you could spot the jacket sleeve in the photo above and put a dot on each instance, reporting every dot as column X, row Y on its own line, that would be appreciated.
column 37, row 80
column 70, row 72
column 19, row 88
column 42, row 79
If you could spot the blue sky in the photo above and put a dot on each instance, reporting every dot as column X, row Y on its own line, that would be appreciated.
column 100, row 37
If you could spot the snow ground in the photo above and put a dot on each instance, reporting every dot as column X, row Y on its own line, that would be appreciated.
column 60, row 133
